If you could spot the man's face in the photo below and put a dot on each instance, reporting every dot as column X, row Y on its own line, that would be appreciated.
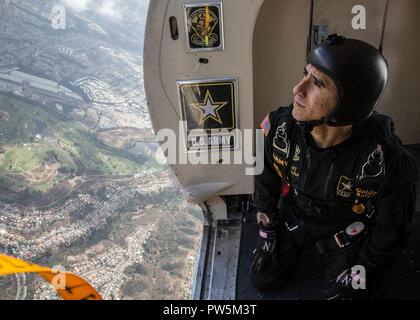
column 314, row 96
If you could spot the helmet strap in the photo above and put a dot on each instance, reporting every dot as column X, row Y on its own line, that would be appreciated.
column 309, row 125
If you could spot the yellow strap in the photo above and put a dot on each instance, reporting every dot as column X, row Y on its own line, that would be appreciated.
column 75, row 288
column 206, row 26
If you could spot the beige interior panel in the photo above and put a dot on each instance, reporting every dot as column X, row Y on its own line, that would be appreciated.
column 265, row 49
column 169, row 62
column 279, row 53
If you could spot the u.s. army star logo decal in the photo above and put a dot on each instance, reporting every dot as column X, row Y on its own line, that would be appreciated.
column 209, row 109
column 209, row 113
column 344, row 187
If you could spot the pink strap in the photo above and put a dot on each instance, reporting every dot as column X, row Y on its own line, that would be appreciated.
column 263, row 234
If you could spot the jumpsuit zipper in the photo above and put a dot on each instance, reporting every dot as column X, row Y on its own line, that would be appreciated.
column 330, row 171
column 308, row 165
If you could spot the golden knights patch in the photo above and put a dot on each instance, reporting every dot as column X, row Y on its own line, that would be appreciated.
column 204, row 26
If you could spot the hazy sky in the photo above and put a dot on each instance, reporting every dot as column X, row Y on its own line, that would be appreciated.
column 109, row 8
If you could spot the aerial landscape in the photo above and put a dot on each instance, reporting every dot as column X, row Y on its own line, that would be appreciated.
column 81, row 183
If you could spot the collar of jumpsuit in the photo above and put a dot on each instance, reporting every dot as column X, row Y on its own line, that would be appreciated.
column 356, row 131
column 316, row 176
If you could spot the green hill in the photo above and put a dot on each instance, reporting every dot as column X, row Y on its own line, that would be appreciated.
column 41, row 146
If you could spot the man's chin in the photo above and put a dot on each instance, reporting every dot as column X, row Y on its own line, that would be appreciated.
column 297, row 114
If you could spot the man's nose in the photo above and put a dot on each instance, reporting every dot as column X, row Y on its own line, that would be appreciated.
column 300, row 88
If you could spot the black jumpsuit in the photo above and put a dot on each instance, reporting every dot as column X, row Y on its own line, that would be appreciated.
column 325, row 186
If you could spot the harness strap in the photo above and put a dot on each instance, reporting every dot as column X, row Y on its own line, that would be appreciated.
column 341, row 238
column 369, row 179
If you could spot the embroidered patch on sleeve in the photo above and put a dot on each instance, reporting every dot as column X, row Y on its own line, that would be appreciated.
column 265, row 125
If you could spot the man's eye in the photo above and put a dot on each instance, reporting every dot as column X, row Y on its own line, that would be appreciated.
column 305, row 73
column 318, row 84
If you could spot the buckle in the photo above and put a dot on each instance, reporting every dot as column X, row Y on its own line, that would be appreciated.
column 291, row 228
column 371, row 212
column 267, row 234
column 339, row 241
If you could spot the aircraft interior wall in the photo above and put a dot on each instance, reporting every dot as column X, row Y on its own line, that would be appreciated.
column 279, row 52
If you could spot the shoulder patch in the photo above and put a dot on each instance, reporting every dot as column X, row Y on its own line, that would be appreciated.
column 369, row 181
column 281, row 142
column 265, row 125
column 375, row 163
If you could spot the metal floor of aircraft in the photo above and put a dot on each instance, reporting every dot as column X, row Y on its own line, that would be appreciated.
column 305, row 281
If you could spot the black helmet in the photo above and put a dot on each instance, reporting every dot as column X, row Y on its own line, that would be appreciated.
column 360, row 73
